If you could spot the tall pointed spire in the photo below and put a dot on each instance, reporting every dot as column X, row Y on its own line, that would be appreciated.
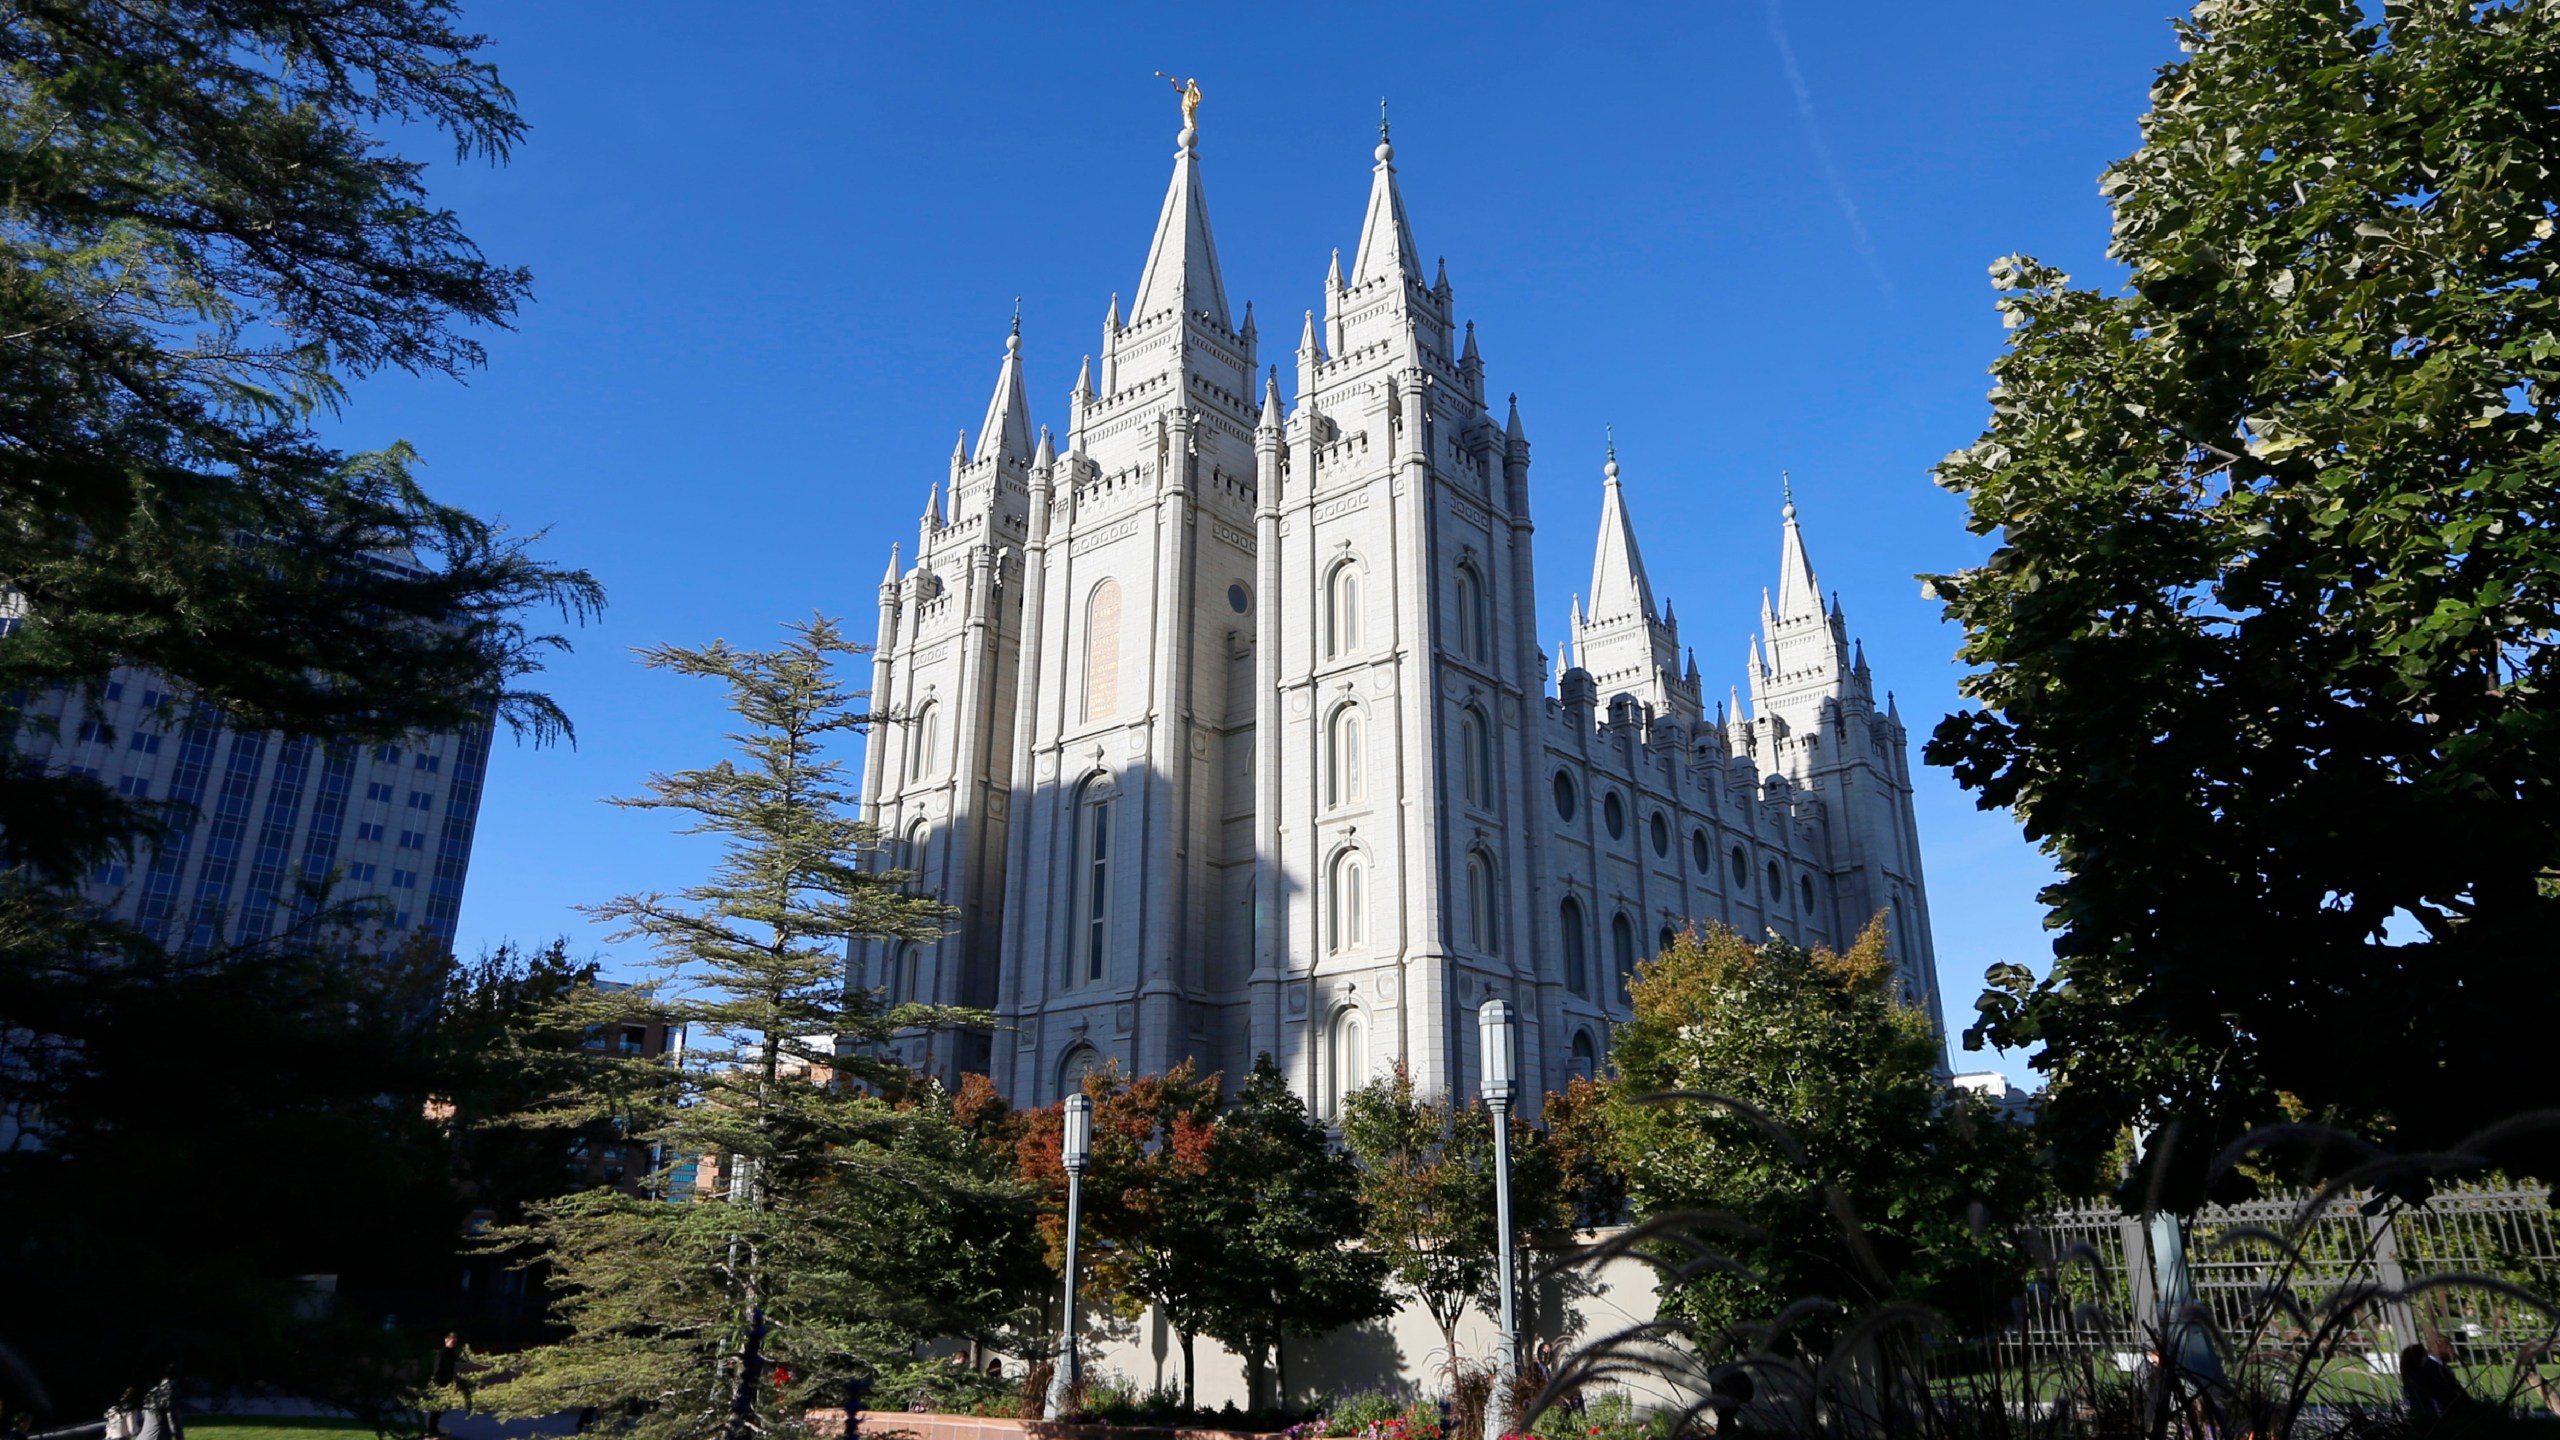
column 1271, row 414
column 1182, row 263
column 1006, row 432
column 1386, row 238
column 892, row 577
column 1618, row 584
column 1799, row 595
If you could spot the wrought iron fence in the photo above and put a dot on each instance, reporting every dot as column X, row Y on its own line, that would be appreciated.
column 2266, row 1270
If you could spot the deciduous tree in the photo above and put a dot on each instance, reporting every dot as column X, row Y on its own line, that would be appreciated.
column 2263, row 653
column 1835, row 1162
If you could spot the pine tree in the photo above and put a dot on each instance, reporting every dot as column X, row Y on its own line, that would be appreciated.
column 824, row 1251
column 206, row 239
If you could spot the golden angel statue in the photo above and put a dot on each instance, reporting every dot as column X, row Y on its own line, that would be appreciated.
column 1190, row 90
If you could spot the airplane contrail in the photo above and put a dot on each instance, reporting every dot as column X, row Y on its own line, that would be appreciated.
column 1822, row 152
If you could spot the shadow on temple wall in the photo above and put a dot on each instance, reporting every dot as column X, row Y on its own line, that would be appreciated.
column 1363, row 1357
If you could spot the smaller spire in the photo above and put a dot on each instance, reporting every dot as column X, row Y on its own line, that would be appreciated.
column 1693, row 667
column 1047, row 454
column 1247, row 332
column 1271, row 400
column 1577, row 612
column 1514, row 437
column 959, row 458
column 1084, row 379
column 1563, row 664
column 1859, row 648
column 1468, row 356
column 1307, row 338
column 1440, row 281
column 1111, row 320
column 892, row 577
column 933, row 505
column 1333, row 273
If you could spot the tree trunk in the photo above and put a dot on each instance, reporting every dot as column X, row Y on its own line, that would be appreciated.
column 1257, row 1364
column 1190, row 1371
column 1280, row 1368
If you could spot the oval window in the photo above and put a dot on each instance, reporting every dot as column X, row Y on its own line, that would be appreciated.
column 1806, row 890
column 1239, row 599
column 1701, row 854
column 1661, row 834
column 1741, row 867
column 1614, row 811
column 1564, row 796
column 1777, row 885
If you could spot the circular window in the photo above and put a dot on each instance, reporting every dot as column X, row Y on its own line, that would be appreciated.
column 1741, row 867
column 1564, row 796
column 1614, row 810
column 1806, row 891
column 1777, row 885
column 1661, row 834
column 1700, row 853
column 1239, row 599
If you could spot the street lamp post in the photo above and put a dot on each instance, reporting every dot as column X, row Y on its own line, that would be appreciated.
column 1493, row 1050
column 1075, row 1148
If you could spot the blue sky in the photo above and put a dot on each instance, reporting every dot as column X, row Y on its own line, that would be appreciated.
column 775, row 256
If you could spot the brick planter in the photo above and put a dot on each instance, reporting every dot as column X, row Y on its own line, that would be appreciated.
column 830, row 1423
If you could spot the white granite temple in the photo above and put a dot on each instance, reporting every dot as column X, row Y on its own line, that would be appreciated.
column 1223, row 721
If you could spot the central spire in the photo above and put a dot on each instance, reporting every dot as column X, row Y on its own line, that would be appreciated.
column 1386, row 239
column 1006, row 432
column 1799, row 594
column 1182, row 264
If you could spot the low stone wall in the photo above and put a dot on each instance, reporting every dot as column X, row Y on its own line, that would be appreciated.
column 830, row 1423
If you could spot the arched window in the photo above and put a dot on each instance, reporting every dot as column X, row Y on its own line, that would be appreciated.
column 921, row 741
column 1622, row 949
column 1092, row 893
column 1347, row 903
column 1475, row 756
column 1577, row 967
column 1473, row 640
column 898, row 974
column 1079, row 1061
column 1342, row 611
column 1346, row 1059
column 1586, row 1056
column 1102, row 652
column 1665, row 941
column 1479, row 902
column 1345, row 748
column 911, row 855
column 1804, row 891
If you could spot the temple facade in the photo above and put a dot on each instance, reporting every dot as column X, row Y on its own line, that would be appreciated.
column 1222, row 720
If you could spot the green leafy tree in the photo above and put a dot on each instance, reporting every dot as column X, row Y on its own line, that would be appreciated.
column 1278, row 1216
column 1836, row 1163
column 2263, row 652
column 1426, row 1174
column 205, row 239
column 821, row 1252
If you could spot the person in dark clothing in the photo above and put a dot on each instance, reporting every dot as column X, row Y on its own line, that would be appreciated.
column 2427, row 1380
column 451, row 1362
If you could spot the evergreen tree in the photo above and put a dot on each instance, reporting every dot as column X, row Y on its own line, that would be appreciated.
column 205, row 240
column 1834, row 1163
column 1278, row 1217
column 824, row 1250
column 2264, row 649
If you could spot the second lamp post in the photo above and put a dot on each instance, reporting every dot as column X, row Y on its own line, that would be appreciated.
column 1075, row 1148
column 1493, row 1070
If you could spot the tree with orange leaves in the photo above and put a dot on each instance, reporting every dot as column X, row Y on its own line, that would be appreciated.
column 1149, row 1236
